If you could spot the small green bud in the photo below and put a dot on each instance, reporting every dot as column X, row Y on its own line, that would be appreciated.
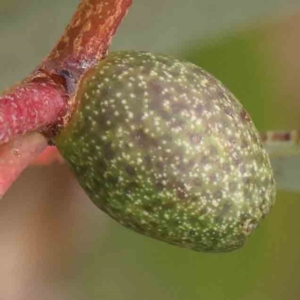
column 165, row 149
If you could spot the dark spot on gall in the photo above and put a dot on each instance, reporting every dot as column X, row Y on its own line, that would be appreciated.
column 226, row 208
column 148, row 208
column 159, row 186
column 217, row 194
column 245, row 116
column 111, row 179
column 178, row 107
column 130, row 170
column 181, row 193
column 144, row 140
column 108, row 151
column 160, row 165
column 229, row 111
column 168, row 205
column 131, row 186
column 197, row 182
column 203, row 211
column 195, row 138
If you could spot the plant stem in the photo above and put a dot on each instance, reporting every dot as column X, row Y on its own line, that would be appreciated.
column 30, row 107
column 87, row 37
column 43, row 101
column 48, row 157
column 16, row 155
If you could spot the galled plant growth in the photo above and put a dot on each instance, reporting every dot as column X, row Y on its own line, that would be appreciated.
column 158, row 144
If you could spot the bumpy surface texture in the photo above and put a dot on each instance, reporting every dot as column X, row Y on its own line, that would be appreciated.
column 166, row 150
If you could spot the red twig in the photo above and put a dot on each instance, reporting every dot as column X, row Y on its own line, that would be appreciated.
column 87, row 37
column 16, row 155
column 48, row 157
column 42, row 100
column 29, row 107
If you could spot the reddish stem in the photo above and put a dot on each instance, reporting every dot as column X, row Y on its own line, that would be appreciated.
column 87, row 37
column 43, row 100
column 48, row 157
column 30, row 107
column 16, row 155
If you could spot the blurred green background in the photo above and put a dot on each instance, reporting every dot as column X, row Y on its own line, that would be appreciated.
column 243, row 43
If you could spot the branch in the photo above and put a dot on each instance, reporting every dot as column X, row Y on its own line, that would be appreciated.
column 86, row 38
column 16, row 155
column 43, row 101
column 30, row 107
column 48, row 157
column 43, row 98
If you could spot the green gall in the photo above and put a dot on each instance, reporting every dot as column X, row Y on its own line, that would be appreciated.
column 165, row 149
